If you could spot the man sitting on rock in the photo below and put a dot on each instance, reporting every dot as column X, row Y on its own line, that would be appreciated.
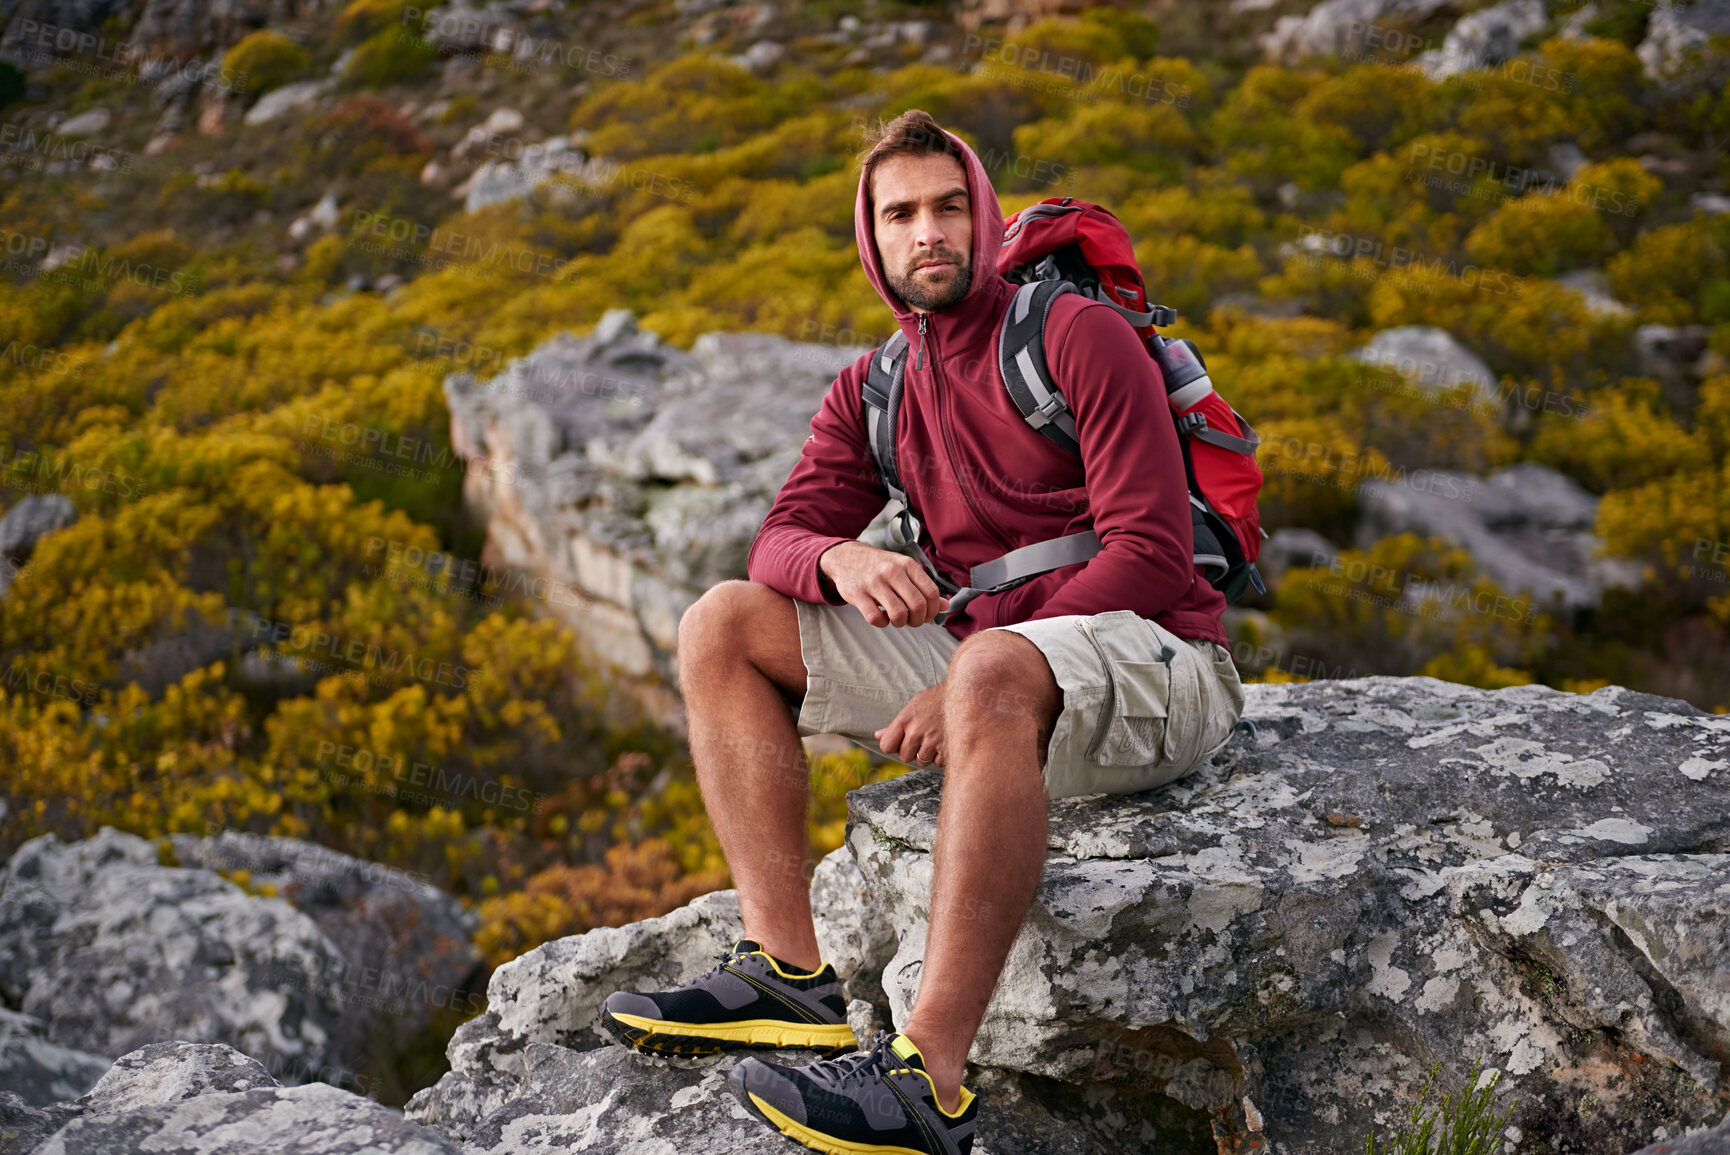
column 1110, row 675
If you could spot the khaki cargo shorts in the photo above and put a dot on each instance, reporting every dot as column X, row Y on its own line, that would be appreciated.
column 1141, row 706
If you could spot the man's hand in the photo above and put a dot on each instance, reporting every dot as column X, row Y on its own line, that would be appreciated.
column 890, row 589
column 916, row 734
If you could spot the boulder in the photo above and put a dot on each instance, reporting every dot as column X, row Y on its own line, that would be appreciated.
column 32, row 519
column 1432, row 361
column 288, row 98
column 628, row 476
column 109, row 950
column 1484, row 38
column 40, row 1072
column 112, row 951
column 1678, row 37
column 1293, row 548
column 1388, row 873
column 1336, row 27
column 1708, row 1141
column 210, row 1099
column 1528, row 527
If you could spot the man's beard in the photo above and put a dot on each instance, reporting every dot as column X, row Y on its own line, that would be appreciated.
column 922, row 292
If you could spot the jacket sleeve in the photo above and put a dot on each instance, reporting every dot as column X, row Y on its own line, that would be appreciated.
column 830, row 497
column 1137, row 490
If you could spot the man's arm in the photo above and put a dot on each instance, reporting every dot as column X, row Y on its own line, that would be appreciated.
column 1136, row 486
column 830, row 497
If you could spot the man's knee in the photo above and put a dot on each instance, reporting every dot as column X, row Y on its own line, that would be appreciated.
column 718, row 620
column 742, row 622
column 997, row 677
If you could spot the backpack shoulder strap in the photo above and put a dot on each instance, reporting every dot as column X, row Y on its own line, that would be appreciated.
column 1027, row 374
column 882, row 395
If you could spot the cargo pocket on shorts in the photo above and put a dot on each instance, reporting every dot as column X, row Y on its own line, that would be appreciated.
column 1133, row 719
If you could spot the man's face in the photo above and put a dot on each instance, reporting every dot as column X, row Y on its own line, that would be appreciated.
column 924, row 229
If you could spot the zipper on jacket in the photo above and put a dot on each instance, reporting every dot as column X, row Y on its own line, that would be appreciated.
column 941, row 389
column 919, row 357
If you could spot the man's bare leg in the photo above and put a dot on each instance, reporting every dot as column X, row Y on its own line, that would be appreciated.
column 739, row 668
column 999, row 703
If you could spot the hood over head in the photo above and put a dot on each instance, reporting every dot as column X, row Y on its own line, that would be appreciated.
column 987, row 234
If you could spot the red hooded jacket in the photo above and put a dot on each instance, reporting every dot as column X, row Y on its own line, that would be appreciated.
column 983, row 481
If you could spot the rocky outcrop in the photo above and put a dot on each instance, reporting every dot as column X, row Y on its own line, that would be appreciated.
column 40, row 1072
column 1391, row 872
column 1336, row 27
column 209, row 1099
column 1432, row 361
column 1528, row 528
column 1678, row 37
column 627, row 476
column 1485, row 38
column 1267, row 955
column 109, row 950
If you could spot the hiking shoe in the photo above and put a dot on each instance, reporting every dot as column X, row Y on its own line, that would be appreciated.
column 748, row 1000
column 875, row 1100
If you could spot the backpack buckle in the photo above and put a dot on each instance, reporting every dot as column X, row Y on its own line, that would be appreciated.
column 1048, row 410
column 1163, row 315
column 1190, row 423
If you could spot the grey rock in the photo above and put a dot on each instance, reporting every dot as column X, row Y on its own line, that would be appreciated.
column 111, row 951
column 1335, row 27
column 1677, row 39
column 1484, row 38
column 1270, row 951
column 1431, row 360
column 1670, row 352
column 87, row 122
column 1291, row 547
column 1528, row 527
column 407, row 946
column 24, row 1127
column 1372, row 880
column 1566, row 158
column 32, row 519
column 290, row 97
column 630, row 476
column 496, row 181
column 1706, row 1141
column 1594, row 288
column 1711, row 203
column 185, row 1098
column 40, row 1072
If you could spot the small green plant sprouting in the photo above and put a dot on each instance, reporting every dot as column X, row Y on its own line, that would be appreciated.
column 1469, row 1127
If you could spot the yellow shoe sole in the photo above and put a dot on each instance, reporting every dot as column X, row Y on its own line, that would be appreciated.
column 711, row 1038
column 818, row 1141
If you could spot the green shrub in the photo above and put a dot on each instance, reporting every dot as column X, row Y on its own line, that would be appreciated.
column 1470, row 1126
column 267, row 60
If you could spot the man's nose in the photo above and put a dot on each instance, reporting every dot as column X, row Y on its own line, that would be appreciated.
column 929, row 232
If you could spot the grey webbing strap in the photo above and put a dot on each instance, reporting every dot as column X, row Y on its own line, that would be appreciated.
column 1034, row 559
column 1016, row 566
column 1227, row 441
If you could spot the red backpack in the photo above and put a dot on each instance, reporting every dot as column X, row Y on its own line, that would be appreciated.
column 1063, row 245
